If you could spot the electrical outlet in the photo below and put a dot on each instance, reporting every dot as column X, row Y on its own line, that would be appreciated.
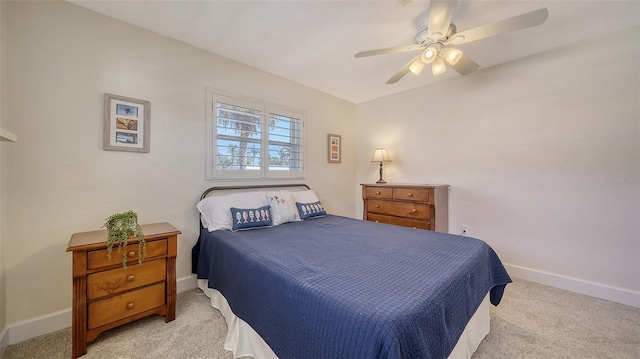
column 464, row 229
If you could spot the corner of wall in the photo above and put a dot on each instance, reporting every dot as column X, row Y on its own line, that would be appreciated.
column 4, row 341
column 3, row 311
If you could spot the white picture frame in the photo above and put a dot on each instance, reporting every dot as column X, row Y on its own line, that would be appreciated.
column 334, row 144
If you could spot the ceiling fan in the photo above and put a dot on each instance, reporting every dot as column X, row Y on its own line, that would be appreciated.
column 437, row 40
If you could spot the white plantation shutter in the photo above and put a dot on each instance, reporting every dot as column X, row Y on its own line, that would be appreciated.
column 285, row 144
column 248, row 138
column 238, row 136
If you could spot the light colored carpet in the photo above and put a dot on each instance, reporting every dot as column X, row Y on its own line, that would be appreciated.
column 533, row 321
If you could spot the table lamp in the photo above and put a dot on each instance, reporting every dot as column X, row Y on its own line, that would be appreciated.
column 381, row 156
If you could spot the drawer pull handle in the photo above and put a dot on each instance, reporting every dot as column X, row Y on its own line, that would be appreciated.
column 410, row 194
column 131, row 254
column 130, row 305
column 377, row 206
column 130, row 278
column 414, row 210
column 377, row 192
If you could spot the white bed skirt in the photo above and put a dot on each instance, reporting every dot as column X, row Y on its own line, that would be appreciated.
column 243, row 341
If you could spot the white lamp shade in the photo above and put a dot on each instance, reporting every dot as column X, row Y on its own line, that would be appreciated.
column 451, row 55
column 381, row 155
column 438, row 67
column 416, row 66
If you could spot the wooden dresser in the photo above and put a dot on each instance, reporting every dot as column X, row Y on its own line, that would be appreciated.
column 409, row 205
column 106, row 295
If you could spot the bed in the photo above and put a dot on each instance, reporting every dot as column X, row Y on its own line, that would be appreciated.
column 337, row 287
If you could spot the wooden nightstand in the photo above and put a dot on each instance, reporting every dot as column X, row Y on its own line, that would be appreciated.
column 408, row 205
column 105, row 295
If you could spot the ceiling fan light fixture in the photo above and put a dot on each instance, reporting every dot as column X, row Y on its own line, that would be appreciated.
column 416, row 66
column 451, row 55
column 429, row 54
column 439, row 32
column 438, row 67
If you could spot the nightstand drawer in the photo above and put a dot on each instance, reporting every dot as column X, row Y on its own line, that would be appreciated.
column 98, row 259
column 109, row 310
column 400, row 209
column 118, row 280
column 408, row 194
column 378, row 192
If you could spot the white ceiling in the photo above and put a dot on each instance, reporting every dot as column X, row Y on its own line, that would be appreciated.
column 313, row 42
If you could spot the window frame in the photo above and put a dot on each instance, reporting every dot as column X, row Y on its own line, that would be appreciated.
column 213, row 96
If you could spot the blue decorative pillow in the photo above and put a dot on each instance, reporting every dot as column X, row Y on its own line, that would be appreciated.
column 248, row 218
column 311, row 210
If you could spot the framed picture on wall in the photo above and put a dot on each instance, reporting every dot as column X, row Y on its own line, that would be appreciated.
column 126, row 124
column 335, row 148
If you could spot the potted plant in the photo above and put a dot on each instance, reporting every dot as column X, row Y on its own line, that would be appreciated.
column 120, row 227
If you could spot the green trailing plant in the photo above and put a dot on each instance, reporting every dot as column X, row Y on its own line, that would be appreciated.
column 120, row 227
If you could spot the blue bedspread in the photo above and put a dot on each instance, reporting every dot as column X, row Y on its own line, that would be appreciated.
column 337, row 287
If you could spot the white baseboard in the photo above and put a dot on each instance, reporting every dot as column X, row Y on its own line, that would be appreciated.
column 4, row 341
column 45, row 324
column 186, row 283
column 598, row 290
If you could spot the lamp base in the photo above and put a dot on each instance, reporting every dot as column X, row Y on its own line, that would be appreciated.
column 381, row 180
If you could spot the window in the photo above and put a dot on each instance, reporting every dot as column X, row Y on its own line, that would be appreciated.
column 249, row 138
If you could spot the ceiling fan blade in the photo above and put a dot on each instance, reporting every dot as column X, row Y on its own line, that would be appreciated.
column 389, row 50
column 530, row 19
column 464, row 66
column 440, row 15
column 403, row 71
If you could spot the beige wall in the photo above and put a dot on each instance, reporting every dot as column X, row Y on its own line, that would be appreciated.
column 542, row 156
column 61, row 59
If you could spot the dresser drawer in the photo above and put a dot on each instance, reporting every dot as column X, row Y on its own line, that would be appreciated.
column 412, row 223
column 408, row 194
column 400, row 209
column 378, row 192
column 121, row 306
column 118, row 280
column 405, row 222
column 98, row 259
column 378, row 218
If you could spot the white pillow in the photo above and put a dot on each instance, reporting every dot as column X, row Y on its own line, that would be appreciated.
column 215, row 211
column 305, row 197
column 283, row 208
